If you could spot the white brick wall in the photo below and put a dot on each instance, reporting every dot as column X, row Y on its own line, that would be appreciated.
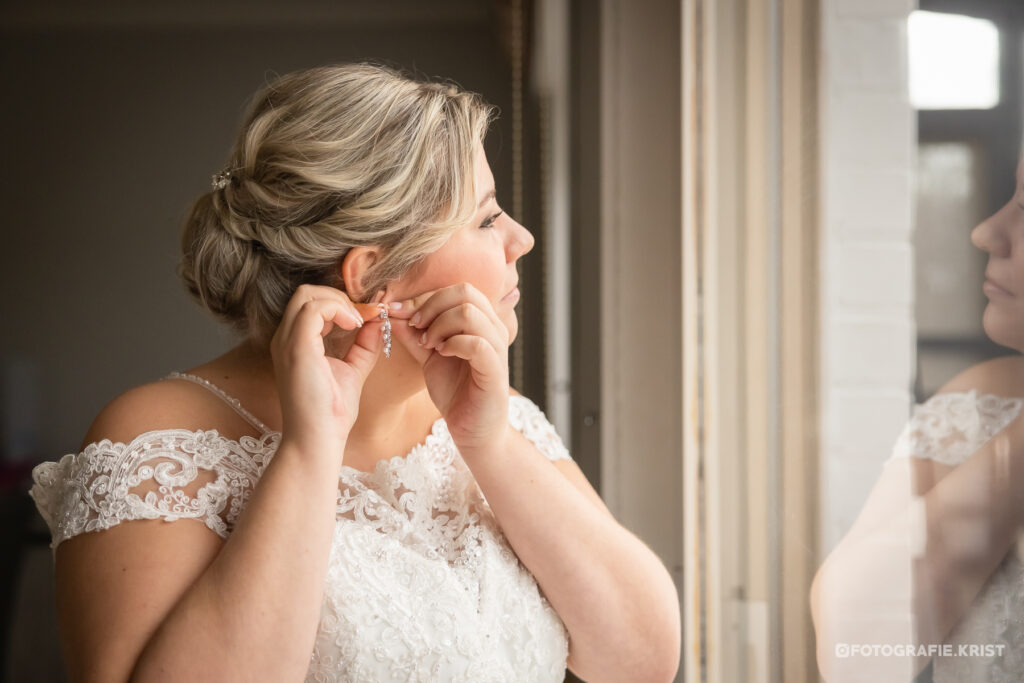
column 875, row 275
column 867, row 296
column 855, row 195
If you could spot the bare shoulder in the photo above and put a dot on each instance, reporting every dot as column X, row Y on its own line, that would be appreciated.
column 910, row 476
column 1003, row 376
column 163, row 404
column 116, row 585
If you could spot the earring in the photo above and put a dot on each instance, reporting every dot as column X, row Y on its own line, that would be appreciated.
column 386, row 329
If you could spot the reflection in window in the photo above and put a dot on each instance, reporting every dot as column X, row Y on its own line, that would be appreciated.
column 954, row 61
column 948, row 268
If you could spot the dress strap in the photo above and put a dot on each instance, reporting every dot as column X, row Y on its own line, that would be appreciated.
column 230, row 400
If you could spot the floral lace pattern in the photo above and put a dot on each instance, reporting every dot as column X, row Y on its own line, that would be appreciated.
column 995, row 617
column 421, row 586
column 170, row 474
column 948, row 428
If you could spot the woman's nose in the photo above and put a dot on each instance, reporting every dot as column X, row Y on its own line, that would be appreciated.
column 989, row 235
column 520, row 242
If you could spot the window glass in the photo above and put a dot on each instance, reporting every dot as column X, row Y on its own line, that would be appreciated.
column 954, row 61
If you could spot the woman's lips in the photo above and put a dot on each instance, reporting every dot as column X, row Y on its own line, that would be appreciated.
column 992, row 289
column 514, row 294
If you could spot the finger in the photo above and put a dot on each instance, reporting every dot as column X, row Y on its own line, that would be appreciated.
column 316, row 318
column 306, row 293
column 487, row 367
column 365, row 349
column 421, row 310
column 406, row 308
column 466, row 318
column 368, row 311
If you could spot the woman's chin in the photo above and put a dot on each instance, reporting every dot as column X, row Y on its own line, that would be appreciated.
column 509, row 317
column 1003, row 329
column 513, row 328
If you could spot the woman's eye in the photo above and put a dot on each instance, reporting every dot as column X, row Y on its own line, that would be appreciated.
column 489, row 222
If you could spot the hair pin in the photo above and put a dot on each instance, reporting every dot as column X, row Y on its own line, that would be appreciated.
column 221, row 180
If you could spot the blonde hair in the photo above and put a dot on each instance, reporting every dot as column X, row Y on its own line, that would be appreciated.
column 328, row 159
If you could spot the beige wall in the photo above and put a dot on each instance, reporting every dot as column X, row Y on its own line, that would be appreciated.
column 111, row 132
column 641, row 273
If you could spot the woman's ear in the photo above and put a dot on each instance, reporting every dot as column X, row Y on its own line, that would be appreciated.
column 353, row 268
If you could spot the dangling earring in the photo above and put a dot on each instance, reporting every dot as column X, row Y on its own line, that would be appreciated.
column 387, row 329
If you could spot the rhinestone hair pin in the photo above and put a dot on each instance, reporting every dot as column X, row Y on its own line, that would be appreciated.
column 221, row 180
column 387, row 329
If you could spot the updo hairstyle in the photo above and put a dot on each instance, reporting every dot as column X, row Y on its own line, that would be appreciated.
column 329, row 159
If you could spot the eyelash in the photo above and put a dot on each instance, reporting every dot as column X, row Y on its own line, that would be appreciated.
column 490, row 221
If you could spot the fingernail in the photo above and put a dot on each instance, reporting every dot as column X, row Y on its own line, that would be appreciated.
column 415, row 320
column 395, row 305
column 423, row 338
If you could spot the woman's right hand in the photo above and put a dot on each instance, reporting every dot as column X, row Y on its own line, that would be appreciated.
column 319, row 394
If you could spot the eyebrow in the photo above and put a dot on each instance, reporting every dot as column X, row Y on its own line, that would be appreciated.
column 487, row 197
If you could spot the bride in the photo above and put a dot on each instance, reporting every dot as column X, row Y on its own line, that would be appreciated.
column 353, row 492
column 932, row 567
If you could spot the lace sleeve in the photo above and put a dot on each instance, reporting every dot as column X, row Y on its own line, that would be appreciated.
column 166, row 474
column 529, row 419
column 949, row 427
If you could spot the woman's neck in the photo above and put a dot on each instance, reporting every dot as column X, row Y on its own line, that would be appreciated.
column 393, row 405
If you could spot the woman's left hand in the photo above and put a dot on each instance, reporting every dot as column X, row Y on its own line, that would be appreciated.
column 464, row 355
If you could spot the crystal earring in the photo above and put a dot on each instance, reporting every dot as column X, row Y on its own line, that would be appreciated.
column 386, row 329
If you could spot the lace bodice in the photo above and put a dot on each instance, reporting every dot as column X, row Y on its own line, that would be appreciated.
column 421, row 586
column 948, row 428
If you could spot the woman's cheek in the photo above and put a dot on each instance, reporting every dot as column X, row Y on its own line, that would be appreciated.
column 485, row 280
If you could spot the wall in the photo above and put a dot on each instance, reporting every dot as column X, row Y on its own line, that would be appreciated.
column 868, row 332
column 118, row 129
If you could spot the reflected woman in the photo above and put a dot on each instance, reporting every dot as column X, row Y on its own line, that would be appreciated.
column 933, row 564
column 353, row 492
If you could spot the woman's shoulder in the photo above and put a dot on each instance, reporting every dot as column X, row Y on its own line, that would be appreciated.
column 168, row 449
column 1002, row 376
column 163, row 404
column 528, row 418
column 976, row 404
column 980, row 402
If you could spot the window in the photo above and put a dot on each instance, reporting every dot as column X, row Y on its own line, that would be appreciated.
column 954, row 61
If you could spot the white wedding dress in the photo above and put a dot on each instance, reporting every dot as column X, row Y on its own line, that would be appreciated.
column 948, row 428
column 422, row 585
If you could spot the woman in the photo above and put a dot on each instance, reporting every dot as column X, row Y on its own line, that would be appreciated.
column 932, row 563
column 364, row 518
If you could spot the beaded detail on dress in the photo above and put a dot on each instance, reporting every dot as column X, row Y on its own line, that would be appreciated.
column 948, row 428
column 421, row 586
column 230, row 400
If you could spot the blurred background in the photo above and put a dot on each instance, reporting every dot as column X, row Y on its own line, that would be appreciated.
column 752, row 259
column 968, row 103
